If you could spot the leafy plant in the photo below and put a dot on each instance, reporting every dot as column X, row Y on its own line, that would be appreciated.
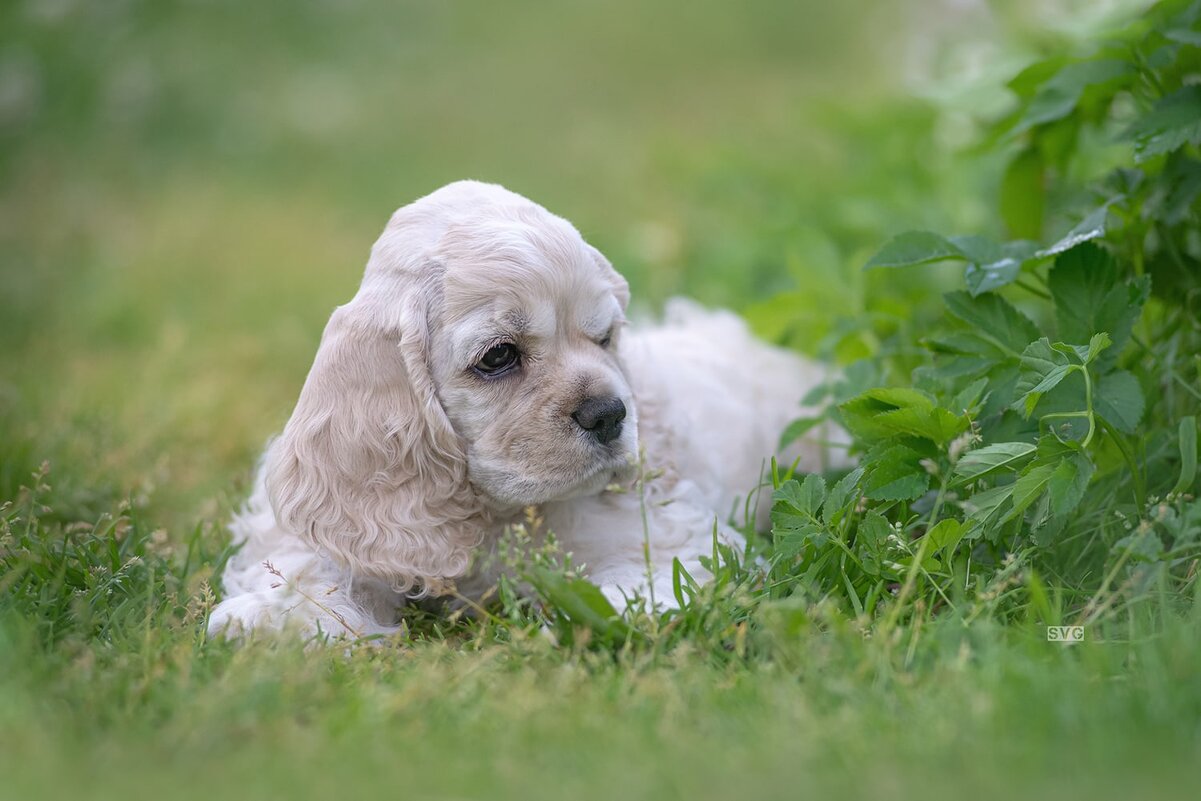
column 1052, row 419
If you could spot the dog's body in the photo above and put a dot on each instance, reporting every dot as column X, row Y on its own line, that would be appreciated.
column 481, row 369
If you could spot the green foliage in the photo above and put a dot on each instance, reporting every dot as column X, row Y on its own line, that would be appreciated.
column 1044, row 403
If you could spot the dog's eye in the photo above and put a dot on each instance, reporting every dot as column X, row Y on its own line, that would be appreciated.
column 498, row 359
column 604, row 343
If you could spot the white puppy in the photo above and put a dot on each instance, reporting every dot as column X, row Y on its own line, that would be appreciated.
column 483, row 367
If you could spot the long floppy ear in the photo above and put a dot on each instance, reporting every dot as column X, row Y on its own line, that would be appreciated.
column 369, row 469
column 621, row 288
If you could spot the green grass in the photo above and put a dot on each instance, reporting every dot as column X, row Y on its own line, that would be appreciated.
column 113, row 692
column 187, row 190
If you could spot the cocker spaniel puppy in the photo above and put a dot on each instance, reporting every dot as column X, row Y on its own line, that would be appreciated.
column 484, row 367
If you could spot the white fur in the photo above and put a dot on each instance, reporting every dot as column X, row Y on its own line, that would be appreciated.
column 400, row 463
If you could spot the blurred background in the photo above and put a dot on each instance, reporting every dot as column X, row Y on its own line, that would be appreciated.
column 187, row 189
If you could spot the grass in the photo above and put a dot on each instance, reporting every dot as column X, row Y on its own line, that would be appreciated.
column 129, row 700
column 183, row 198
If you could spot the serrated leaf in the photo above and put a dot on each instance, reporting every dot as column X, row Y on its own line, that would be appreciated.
column 912, row 248
column 803, row 498
column 795, row 505
column 1175, row 121
column 896, row 474
column 994, row 319
column 990, row 459
column 891, row 411
column 1091, row 227
column 1068, row 481
column 1118, row 399
column 1090, row 297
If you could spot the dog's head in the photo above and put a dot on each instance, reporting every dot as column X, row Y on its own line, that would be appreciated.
column 475, row 372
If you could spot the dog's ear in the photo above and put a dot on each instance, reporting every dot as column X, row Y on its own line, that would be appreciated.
column 368, row 468
column 621, row 288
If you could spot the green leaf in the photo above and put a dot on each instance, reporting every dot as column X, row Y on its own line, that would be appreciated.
column 884, row 412
column 1188, row 455
column 995, row 319
column 945, row 535
column 1174, row 122
column 978, row 249
column 813, row 493
column 1043, row 367
column 582, row 603
column 935, row 424
column 842, row 498
column 896, row 474
column 1090, row 297
column 1118, row 399
column 797, row 429
column 967, row 399
column 914, row 247
column 967, row 343
column 871, row 542
column 1026, row 83
column 992, row 265
column 1059, row 96
column 794, row 514
column 1029, row 486
column 791, row 540
column 1096, row 345
column 986, row 509
column 1091, row 227
column 982, row 278
column 990, row 459
column 1068, row 482
column 1023, row 195
column 798, row 498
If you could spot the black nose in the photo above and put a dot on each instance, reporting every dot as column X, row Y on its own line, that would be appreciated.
column 601, row 417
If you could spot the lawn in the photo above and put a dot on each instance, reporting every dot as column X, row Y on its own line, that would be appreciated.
column 187, row 190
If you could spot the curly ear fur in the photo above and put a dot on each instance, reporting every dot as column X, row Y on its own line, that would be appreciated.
column 369, row 469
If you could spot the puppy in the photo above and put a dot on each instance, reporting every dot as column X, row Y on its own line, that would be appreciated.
column 483, row 367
